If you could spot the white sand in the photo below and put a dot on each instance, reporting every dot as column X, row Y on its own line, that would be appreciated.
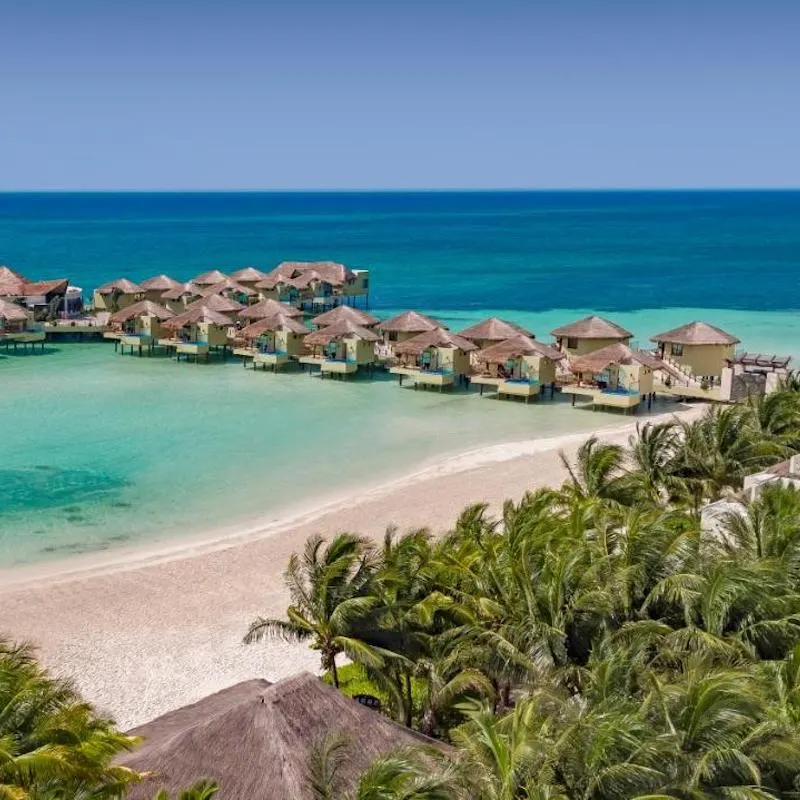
column 145, row 631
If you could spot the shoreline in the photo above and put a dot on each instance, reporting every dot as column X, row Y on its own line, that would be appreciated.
column 147, row 629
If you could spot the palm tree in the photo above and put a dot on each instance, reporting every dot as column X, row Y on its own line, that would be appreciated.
column 204, row 790
column 596, row 473
column 329, row 589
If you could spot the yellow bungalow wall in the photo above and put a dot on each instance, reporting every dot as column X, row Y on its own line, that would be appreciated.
column 112, row 303
column 702, row 359
column 585, row 346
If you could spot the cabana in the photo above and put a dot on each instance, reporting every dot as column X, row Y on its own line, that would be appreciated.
column 155, row 287
column 116, row 295
column 341, row 349
column 614, row 376
column 233, row 291
column 345, row 314
column 403, row 327
column 698, row 350
column 517, row 367
column 206, row 279
column 181, row 296
column 197, row 331
column 492, row 330
column 317, row 284
column 589, row 334
column 273, row 341
column 139, row 326
column 268, row 308
column 435, row 358
column 42, row 299
column 217, row 302
column 248, row 276
column 16, row 327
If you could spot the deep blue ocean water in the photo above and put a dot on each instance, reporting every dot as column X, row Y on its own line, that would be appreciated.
column 530, row 251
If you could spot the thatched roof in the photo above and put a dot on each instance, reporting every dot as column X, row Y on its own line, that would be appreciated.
column 592, row 327
column 277, row 322
column 516, row 346
column 197, row 314
column 617, row 353
column 344, row 314
column 696, row 333
column 249, row 274
column 345, row 329
column 409, row 322
column 144, row 308
column 329, row 271
column 493, row 330
column 12, row 284
column 268, row 308
column 435, row 338
column 218, row 303
column 229, row 285
column 182, row 290
column 209, row 278
column 12, row 312
column 256, row 740
column 160, row 283
column 121, row 285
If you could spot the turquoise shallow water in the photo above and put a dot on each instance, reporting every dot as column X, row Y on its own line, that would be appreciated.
column 99, row 450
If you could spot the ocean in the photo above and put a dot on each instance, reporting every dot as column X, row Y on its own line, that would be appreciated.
column 100, row 450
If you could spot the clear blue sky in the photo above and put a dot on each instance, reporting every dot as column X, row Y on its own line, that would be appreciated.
column 383, row 94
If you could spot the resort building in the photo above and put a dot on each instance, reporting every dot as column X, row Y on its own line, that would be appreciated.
column 588, row 335
column 181, row 296
column 206, row 279
column 232, row 290
column 614, row 376
column 272, row 342
column 155, row 287
column 787, row 473
column 248, row 276
column 197, row 331
column 341, row 349
column 492, row 330
column 140, row 326
column 116, row 295
column 268, row 308
column 434, row 358
column 345, row 314
column 16, row 328
column 698, row 350
column 219, row 303
column 43, row 299
column 518, row 367
column 316, row 285
column 403, row 327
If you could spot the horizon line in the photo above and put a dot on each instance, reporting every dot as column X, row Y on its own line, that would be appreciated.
column 410, row 190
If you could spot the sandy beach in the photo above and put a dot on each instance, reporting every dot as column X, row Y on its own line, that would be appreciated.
column 145, row 631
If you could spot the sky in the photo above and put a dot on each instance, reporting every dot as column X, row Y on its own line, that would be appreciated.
column 378, row 94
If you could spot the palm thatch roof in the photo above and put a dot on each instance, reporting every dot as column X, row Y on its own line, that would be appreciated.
column 121, row 285
column 277, row 322
column 209, row 278
column 592, row 327
column 696, row 333
column 329, row 271
column 256, row 740
column 515, row 347
column 198, row 314
column 11, row 312
column 11, row 283
column 182, row 290
column 616, row 353
column 217, row 302
column 435, row 338
column 346, row 329
column 160, row 283
column 493, row 330
column 410, row 322
column 249, row 274
column 344, row 314
column 144, row 308
column 229, row 285
column 268, row 308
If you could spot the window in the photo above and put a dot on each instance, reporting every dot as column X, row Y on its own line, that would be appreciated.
column 392, row 336
column 572, row 344
column 676, row 349
column 366, row 283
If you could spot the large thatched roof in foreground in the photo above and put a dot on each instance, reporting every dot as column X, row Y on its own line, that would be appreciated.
column 435, row 338
column 344, row 314
column 410, row 322
column 592, row 327
column 11, row 312
column 256, row 740
column 493, row 330
column 516, row 346
column 144, row 308
column 617, row 353
column 695, row 333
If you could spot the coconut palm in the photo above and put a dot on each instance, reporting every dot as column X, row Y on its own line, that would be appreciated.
column 596, row 472
column 204, row 790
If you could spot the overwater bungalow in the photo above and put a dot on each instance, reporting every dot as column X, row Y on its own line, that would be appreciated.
column 140, row 326
column 589, row 334
column 155, row 287
column 248, row 276
column 219, row 303
column 197, row 331
column 233, row 291
column 345, row 314
column 17, row 328
column 341, row 349
column 272, row 342
column 116, row 295
column 42, row 299
column 268, row 308
column 181, row 296
column 699, row 350
column 316, row 285
column 518, row 367
column 614, row 376
column 491, row 331
column 433, row 358
column 207, row 279
column 403, row 327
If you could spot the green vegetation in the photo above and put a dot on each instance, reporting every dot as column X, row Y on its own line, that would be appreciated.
column 595, row 642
